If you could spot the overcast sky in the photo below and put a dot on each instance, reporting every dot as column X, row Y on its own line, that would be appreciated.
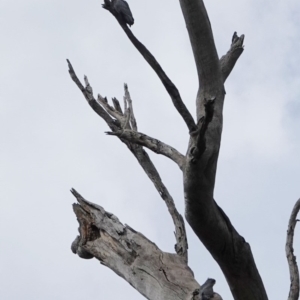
column 52, row 141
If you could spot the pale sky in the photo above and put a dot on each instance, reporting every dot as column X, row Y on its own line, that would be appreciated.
column 52, row 141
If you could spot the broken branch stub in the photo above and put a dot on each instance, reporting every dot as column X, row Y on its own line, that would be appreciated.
column 155, row 274
column 227, row 61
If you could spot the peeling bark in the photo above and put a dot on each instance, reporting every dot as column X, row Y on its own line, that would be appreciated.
column 157, row 275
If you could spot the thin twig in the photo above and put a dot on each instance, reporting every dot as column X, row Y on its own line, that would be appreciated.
column 168, row 84
column 143, row 158
column 289, row 250
column 117, row 105
column 87, row 92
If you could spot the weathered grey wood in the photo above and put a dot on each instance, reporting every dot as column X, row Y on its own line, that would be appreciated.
column 133, row 136
column 105, row 111
column 117, row 246
column 289, row 250
column 155, row 274
column 88, row 94
column 117, row 105
column 228, row 60
column 181, row 246
column 208, row 221
column 152, row 144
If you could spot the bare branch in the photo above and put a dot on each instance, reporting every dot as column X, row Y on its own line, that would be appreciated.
column 152, row 144
column 144, row 160
column 289, row 250
column 88, row 94
column 168, row 84
column 152, row 272
column 228, row 60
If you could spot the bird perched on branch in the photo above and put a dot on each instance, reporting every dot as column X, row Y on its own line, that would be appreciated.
column 122, row 8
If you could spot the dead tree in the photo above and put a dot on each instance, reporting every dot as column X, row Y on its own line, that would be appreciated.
column 152, row 272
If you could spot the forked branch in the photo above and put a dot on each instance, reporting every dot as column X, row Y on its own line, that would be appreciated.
column 129, row 129
column 119, row 123
column 207, row 219
column 289, row 250
column 88, row 94
column 168, row 84
column 228, row 60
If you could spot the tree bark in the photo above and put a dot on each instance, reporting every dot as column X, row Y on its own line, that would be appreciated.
column 157, row 275
column 166, row 276
column 206, row 218
column 291, row 258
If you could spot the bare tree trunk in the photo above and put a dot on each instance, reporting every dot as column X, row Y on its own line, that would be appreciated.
column 208, row 221
column 154, row 273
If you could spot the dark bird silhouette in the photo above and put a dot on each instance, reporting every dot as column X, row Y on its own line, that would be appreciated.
column 122, row 8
